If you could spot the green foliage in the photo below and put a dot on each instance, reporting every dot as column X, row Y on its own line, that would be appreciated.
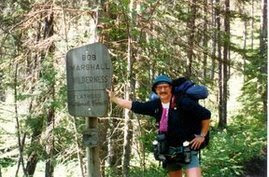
column 228, row 151
column 231, row 148
column 112, row 172
column 35, row 123
column 48, row 73
column 36, row 147
column 255, row 87
column 6, row 162
column 61, row 98
column 255, row 66
column 147, row 140
column 64, row 138
column 152, row 170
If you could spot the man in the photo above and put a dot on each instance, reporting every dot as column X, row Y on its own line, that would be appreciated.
column 180, row 119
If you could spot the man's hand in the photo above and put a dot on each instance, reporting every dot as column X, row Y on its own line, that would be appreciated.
column 119, row 101
column 197, row 141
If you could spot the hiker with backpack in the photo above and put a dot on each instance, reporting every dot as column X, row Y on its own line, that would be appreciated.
column 183, row 124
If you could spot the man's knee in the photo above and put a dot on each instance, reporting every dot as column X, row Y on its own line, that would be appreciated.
column 177, row 173
column 194, row 172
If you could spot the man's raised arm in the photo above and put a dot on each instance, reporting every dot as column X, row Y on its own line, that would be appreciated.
column 119, row 101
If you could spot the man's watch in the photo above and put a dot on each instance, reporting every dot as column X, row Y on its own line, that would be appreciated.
column 202, row 135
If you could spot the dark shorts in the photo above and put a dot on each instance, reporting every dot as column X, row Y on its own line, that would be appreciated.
column 174, row 166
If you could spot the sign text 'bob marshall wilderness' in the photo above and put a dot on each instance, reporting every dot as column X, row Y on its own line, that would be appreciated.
column 89, row 74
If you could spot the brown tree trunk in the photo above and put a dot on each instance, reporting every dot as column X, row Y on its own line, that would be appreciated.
column 205, row 41
column 245, row 46
column 50, row 141
column 20, row 142
column 220, row 64
column 31, row 164
column 263, row 52
column 191, row 28
column 35, row 137
column 252, row 23
column 33, row 157
column 49, row 169
column 214, row 41
column 263, row 31
column 225, row 63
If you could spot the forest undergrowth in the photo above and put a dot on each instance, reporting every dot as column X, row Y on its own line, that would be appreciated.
column 236, row 151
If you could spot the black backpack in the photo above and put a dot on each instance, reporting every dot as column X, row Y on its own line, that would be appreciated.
column 187, row 87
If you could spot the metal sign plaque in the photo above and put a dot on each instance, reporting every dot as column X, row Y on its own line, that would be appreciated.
column 89, row 74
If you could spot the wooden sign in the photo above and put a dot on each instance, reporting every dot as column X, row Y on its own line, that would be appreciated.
column 89, row 74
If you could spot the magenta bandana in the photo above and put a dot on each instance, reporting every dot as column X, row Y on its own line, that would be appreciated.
column 164, row 120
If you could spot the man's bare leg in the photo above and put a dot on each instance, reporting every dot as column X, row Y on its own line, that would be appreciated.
column 177, row 173
column 194, row 172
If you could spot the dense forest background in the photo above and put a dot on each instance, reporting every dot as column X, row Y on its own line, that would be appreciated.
column 220, row 44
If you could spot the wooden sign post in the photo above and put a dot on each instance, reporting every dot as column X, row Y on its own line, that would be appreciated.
column 89, row 74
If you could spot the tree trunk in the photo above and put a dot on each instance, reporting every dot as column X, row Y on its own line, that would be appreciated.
column 33, row 157
column 31, row 163
column 50, row 142
column 205, row 40
column 220, row 65
column 214, row 42
column 35, row 137
column 2, row 90
column 20, row 142
column 110, row 152
column 191, row 28
column 245, row 46
column 263, row 31
column 80, row 159
column 263, row 52
column 252, row 23
column 114, row 156
column 49, row 169
column 225, row 63
column 127, row 138
column 128, row 90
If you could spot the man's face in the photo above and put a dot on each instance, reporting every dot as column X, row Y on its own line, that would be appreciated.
column 164, row 91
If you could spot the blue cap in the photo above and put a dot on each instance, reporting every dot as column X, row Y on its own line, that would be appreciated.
column 161, row 79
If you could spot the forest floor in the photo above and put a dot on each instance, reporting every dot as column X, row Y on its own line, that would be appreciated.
column 256, row 167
